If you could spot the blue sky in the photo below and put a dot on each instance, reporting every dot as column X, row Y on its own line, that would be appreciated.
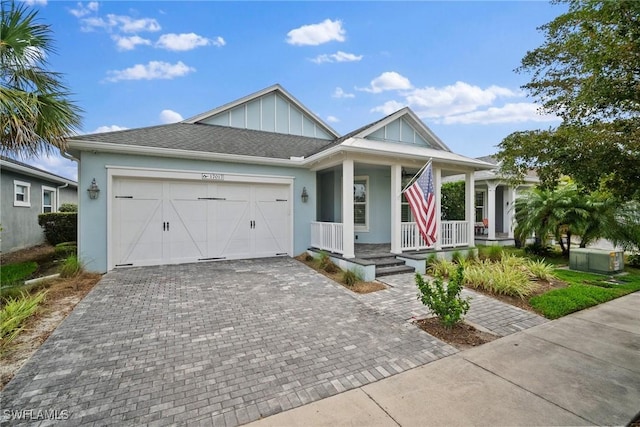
column 136, row 64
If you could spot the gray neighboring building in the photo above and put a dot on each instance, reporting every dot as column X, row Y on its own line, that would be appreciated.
column 26, row 192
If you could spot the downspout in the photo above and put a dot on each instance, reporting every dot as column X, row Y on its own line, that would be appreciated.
column 58, row 195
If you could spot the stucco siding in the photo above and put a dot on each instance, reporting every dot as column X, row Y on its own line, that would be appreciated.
column 93, row 213
column 20, row 227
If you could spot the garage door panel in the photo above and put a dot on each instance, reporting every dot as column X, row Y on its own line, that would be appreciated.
column 232, row 222
column 161, row 222
column 139, row 231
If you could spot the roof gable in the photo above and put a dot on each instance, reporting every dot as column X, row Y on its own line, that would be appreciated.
column 402, row 127
column 270, row 110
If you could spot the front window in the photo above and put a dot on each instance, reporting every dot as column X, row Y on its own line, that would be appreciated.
column 361, row 202
column 406, row 215
column 479, row 206
column 48, row 199
column 22, row 194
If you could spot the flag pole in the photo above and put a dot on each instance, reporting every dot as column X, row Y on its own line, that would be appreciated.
column 411, row 181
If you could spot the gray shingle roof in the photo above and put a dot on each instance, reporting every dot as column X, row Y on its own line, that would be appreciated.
column 213, row 139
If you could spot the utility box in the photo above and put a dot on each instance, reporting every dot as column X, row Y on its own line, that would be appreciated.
column 596, row 260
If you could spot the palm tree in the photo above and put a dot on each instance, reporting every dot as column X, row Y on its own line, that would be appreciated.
column 36, row 113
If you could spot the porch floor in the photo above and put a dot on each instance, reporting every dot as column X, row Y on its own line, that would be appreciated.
column 372, row 250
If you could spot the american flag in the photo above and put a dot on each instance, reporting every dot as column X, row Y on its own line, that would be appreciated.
column 421, row 198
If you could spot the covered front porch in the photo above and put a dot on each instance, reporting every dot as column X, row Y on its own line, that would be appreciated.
column 360, row 206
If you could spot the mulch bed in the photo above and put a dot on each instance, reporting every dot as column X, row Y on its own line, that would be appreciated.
column 358, row 287
column 462, row 336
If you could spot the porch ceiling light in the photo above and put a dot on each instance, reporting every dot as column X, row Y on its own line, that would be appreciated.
column 304, row 196
column 93, row 190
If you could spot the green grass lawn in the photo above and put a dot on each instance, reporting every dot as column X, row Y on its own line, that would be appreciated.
column 584, row 290
column 15, row 273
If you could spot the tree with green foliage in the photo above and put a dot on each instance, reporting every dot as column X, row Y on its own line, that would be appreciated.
column 453, row 201
column 36, row 114
column 587, row 73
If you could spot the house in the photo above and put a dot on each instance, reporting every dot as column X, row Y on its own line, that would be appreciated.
column 261, row 176
column 494, row 200
column 26, row 192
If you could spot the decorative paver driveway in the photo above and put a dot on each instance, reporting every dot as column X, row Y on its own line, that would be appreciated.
column 216, row 343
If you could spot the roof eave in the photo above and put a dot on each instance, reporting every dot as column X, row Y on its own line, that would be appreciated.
column 36, row 173
column 184, row 154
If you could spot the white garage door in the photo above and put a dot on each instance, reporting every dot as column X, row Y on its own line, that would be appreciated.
column 169, row 222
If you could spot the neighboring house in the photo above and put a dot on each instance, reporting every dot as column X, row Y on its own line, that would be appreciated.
column 26, row 192
column 494, row 201
column 261, row 176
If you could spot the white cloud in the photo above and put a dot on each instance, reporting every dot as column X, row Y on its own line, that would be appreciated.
column 509, row 113
column 388, row 107
column 35, row 2
column 130, row 43
column 56, row 164
column 109, row 128
column 83, row 10
column 332, row 119
column 339, row 56
column 219, row 41
column 122, row 23
column 186, row 41
column 339, row 93
column 315, row 34
column 389, row 80
column 458, row 98
column 152, row 71
column 170, row 116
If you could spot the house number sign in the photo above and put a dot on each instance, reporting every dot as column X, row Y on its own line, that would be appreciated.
column 213, row 176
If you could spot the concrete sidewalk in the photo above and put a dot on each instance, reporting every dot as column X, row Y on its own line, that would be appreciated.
column 583, row 369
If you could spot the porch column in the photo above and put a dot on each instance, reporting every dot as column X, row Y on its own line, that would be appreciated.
column 347, row 209
column 396, row 208
column 508, row 210
column 437, row 184
column 491, row 210
column 470, row 207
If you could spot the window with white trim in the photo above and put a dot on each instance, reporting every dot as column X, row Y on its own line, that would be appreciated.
column 48, row 199
column 21, row 194
column 406, row 214
column 361, row 203
column 479, row 206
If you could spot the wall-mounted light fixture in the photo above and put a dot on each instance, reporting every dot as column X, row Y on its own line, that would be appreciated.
column 93, row 190
column 304, row 196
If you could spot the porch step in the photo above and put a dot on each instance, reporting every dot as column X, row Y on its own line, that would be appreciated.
column 396, row 269
column 387, row 265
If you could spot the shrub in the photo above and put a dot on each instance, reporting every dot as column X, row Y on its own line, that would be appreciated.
column 472, row 256
column 59, row 227
column 444, row 299
column 495, row 253
column 325, row 263
column 350, row 277
column 441, row 267
column 15, row 312
column 68, row 207
column 538, row 249
column 633, row 260
column 63, row 250
column 12, row 274
column 431, row 259
column 456, row 257
column 71, row 267
column 539, row 269
column 507, row 277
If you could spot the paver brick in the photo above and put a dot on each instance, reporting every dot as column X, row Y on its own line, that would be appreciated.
column 228, row 342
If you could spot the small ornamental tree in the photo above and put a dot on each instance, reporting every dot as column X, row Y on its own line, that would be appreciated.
column 444, row 299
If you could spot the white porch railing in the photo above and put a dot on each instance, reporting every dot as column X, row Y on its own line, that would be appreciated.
column 327, row 236
column 452, row 234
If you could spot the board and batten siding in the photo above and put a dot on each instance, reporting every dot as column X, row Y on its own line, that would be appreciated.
column 270, row 113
